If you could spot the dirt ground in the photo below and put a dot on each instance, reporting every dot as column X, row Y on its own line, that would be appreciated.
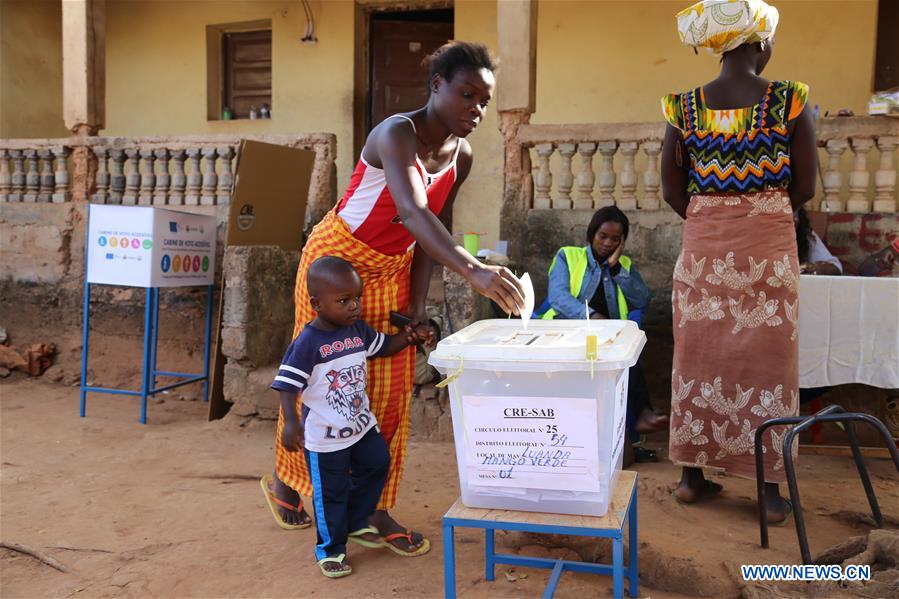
column 174, row 509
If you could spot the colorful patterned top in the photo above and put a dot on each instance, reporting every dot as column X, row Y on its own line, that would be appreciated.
column 737, row 150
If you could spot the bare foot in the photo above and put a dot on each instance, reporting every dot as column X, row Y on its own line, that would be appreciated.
column 777, row 509
column 388, row 526
column 691, row 493
column 289, row 496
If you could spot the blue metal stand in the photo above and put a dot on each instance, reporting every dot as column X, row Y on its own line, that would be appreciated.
column 493, row 520
column 148, row 372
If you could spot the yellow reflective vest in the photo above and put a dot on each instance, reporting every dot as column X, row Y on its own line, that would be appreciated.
column 577, row 260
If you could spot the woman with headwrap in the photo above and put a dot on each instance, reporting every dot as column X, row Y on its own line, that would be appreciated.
column 738, row 158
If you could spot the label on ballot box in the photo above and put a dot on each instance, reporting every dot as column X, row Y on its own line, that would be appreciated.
column 532, row 442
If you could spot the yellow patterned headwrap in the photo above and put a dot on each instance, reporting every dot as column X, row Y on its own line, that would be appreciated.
column 722, row 25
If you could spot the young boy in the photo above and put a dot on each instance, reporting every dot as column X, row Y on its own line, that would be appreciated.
column 346, row 454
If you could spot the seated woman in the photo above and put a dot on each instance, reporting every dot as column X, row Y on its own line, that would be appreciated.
column 814, row 257
column 603, row 277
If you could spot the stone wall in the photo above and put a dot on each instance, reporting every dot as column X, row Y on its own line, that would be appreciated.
column 257, row 324
column 35, row 242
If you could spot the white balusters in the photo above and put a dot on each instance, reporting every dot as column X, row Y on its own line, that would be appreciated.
column 607, row 174
column 179, row 179
column 210, row 178
column 101, row 196
column 833, row 178
column 132, row 177
column 584, row 167
column 32, row 177
column 5, row 176
column 544, row 179
column 117, row 179
column 17, row 179
column 628, row 200
column 147, row 177
column 145, row 173
column 163, row 179
column 885, row 176
column 60, row 175
column 45, row 191
column 194, row 179
column 566, row 178
column 585, row 178
column 859, row 177
column 651, row 178
column 226, row 179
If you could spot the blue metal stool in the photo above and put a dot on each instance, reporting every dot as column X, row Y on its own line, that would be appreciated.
column 623, row 509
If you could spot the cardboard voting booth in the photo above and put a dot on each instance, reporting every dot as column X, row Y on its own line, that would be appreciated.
column 268, row 207
column 271, row 192
column 150, row 247
column 143, row 246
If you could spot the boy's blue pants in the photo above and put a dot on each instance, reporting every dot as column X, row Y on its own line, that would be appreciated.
column 346, row 487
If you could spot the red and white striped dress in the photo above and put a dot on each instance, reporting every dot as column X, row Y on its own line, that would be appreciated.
column 370, row 213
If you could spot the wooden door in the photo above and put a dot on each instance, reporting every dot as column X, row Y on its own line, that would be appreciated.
column 398, row 79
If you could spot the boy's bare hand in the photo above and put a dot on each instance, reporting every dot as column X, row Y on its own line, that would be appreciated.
column 292, row 435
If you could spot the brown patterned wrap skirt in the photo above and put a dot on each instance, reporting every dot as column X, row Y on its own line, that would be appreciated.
column 735, row 303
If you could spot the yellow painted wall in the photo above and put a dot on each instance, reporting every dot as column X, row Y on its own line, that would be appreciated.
column 598, row 61
column 164, row 44
column 31, row 69
column 479, row 201
column 611, row 61
column 156, row 69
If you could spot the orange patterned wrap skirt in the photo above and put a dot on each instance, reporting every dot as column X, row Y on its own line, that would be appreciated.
column 386, row 281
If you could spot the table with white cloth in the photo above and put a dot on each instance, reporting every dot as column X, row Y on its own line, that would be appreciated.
column 848, row 331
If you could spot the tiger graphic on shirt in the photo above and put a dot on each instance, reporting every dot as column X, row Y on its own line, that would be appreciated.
column 346, row 390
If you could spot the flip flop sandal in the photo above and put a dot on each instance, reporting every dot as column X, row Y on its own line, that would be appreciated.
column 356, row 537
column 711, row 490
column 425, row 546
column 337, row 559
column 266, row 483
column 787, row 517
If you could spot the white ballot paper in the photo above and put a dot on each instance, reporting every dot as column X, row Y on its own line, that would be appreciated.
column 528, row 309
